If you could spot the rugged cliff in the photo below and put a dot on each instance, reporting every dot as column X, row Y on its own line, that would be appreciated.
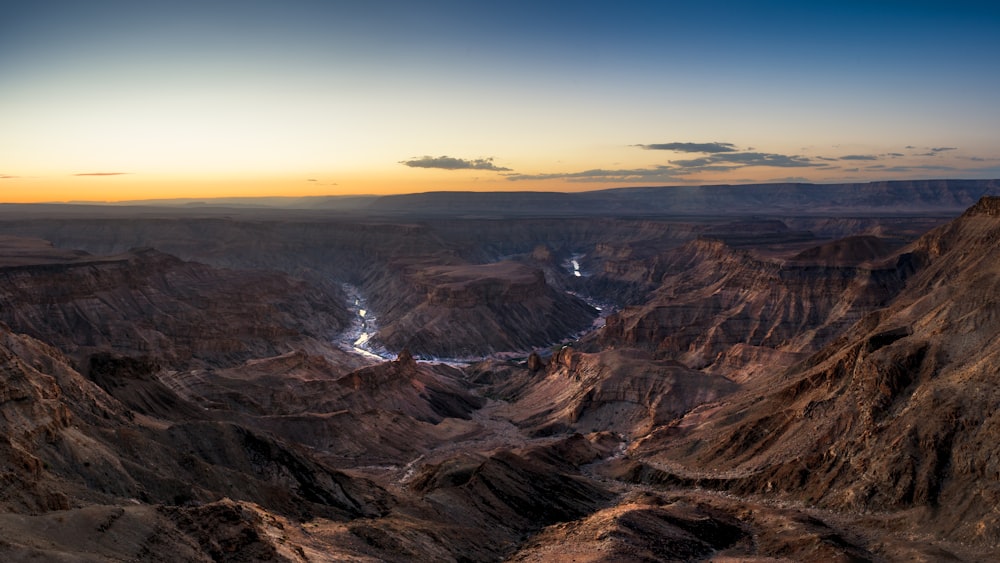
column 897, row 414
column 148, row 303
column 71, row 443
column 734, row 312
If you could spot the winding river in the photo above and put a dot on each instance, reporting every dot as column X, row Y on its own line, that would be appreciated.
column 363, row 326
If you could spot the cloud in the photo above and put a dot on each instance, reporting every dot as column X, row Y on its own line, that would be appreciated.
column 451, row 163
column 102, row 173
column 691, row 147
column 655, row 174
column 744, row 159
column 724, row 158
column 6, row 177
column 312, row 180
column 682, row 170
column 934, row 151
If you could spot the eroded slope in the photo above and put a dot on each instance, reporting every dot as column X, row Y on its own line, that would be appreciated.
column 898, row 414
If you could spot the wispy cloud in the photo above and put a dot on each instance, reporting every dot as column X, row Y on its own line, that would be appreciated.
column 710, row 148
column 451, row 163
column 102, row 174
column 725, row 159
column 6, row 177
column 934, row 151
column 743, row 159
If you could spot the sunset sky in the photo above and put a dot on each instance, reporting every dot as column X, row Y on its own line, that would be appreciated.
column 120, row 100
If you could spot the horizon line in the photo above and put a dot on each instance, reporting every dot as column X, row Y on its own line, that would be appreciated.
column 249, row 198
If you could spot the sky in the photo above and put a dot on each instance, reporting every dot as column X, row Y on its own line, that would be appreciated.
column 109, row 100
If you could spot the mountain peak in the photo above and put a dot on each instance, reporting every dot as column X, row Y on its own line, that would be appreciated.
column 986, row 206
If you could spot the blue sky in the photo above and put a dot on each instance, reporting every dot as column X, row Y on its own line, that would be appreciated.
column 124, row 100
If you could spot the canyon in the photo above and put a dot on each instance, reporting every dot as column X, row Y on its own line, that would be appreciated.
column 765, row 373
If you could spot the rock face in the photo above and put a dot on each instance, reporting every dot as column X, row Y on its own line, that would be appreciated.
column 388, row 413
column 34, row 414
column 898, row 413
column 728, row 311
column 622, row 391
column 463, row 311
column 145, row 303
column 513, row 492
column 69, row 439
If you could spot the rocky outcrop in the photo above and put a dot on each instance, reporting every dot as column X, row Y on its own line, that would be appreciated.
column 535, row 362
column 988, row 206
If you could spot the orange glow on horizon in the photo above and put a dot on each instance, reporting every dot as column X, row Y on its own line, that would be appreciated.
column 132, row 187
column 111, row 184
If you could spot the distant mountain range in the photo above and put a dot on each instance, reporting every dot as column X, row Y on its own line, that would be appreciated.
column 904, row 197
column 919, row 197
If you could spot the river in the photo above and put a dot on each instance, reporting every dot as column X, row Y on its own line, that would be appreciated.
column 364, row 325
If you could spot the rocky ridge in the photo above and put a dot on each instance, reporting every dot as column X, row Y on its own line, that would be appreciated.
column 897, row 414
column 729, row 311
column 622, row 391
column 468, row 311
column 148, row 303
